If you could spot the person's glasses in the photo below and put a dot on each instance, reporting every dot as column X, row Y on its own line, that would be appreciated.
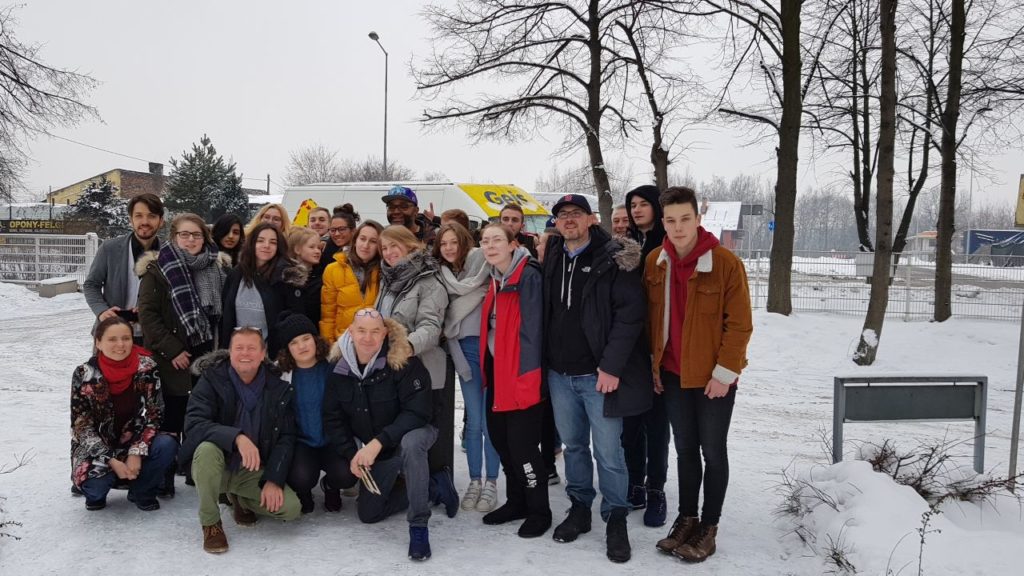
column 572, row 214
column 338, row 230
column 371, row 312
column 187, row 235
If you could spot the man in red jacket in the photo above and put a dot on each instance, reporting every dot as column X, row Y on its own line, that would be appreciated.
column 700, row 323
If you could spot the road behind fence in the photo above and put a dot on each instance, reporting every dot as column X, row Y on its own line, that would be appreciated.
column 829, row 282
column 31, row 258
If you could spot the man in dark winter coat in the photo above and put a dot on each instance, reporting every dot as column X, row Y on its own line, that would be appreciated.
column 379, row 394
column 598, row 363
column 240, row 437
column 645, row 436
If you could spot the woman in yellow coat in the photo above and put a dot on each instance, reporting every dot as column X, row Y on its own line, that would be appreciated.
column 351, row 282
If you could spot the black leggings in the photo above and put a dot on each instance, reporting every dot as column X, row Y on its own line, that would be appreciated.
column 307, row 464
column 700, row 425
column 516, row 435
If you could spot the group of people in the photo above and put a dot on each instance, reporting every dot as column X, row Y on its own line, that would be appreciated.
column 262, row 360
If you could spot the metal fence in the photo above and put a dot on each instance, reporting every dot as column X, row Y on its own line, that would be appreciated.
column 31, row 258
column 831, row 282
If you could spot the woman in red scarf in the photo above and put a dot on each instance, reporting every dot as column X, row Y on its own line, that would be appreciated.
column 116, row 410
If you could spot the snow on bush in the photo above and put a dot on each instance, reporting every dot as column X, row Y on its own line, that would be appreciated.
column 858, row 520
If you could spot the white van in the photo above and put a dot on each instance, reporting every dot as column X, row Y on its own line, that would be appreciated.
column 481, row 202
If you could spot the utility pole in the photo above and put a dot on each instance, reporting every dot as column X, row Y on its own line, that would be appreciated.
column 268, row 184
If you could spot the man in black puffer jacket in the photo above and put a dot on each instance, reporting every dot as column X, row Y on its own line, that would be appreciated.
column 379, row 394
column 598, row 363
column 240, row 437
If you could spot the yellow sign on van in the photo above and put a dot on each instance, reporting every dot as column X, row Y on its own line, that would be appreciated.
column 492, row 197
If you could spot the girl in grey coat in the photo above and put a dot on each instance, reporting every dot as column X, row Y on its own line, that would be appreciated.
column 412, row 295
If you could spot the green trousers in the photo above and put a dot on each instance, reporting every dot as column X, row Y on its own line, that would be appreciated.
column 213, row 479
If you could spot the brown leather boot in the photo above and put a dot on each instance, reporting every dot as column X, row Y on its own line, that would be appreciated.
column 214, row 539
column 700, row 546
column 243, row 516
column 682, row 529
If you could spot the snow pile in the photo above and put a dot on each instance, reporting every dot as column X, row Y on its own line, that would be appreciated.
column 858, row 521
column 17, row 301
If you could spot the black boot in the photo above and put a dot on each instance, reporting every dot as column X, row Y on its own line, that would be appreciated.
column 617, row 537
column 167, row 489
column 538, row 517
column 576, row 523
column 514, row 507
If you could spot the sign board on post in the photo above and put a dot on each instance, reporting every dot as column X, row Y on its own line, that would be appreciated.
column 33, row 227
column 895, row 398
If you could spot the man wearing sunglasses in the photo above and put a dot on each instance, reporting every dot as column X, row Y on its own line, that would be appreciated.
column 598, row 363
column 379, row 394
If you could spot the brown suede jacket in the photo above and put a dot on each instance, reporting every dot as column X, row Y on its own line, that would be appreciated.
column 717, row 324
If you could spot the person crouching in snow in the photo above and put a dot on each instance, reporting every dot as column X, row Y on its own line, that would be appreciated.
column 379, row 394
column 700, row 323
column 116, row 411
column 240, row 437
column 303, row 358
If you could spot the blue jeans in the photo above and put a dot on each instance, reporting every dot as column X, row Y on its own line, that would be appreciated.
column 478, row 441
column 579, row 415
column 162, row 453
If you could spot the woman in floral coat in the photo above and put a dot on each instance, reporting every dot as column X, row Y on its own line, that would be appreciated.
column 116, row 409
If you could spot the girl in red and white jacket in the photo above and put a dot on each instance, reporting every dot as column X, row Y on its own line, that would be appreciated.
column 511, row 350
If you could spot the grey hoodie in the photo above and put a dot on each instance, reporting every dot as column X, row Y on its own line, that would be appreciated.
column 518, row 256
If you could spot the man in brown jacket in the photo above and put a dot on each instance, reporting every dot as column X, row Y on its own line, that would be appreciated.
column 700, row 323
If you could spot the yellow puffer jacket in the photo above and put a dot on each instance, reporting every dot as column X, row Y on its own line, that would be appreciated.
column 340, row 297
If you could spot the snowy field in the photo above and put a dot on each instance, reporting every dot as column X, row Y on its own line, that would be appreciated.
column 785, row 401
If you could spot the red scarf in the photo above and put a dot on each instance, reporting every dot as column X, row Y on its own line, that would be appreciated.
column 120, row 373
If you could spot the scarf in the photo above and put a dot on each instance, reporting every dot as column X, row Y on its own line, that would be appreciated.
column 248, row 418
column 397, row 279
column 402, row 276
column 119, row 374
column 465, row 291
column 349, row 362
column 196, row 283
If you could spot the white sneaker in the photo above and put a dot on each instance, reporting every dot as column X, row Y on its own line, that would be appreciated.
column 471, row 498
column 488, row 497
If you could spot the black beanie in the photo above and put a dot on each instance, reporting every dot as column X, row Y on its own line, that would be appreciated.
column 291, row 326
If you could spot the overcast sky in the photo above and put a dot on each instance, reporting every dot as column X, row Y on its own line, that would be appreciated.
column 263, row 78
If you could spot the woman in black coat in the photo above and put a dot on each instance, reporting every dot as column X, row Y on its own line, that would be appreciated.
column 254, row 293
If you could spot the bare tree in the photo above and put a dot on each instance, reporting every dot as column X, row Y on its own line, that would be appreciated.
column 767, row 37
column 554, row 61
column 371, row 170
column 312, row 163
column 34, row 99
column 870, row 336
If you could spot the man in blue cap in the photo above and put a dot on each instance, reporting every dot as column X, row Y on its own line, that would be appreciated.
column 403, row 209
column 598, row 363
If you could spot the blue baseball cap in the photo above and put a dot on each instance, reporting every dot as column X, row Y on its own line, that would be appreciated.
column 400, row 193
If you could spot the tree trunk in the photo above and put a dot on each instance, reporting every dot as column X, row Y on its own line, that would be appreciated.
column 593, row 117
column 861, row 172
column 870, row 336
column 947, row 187
column 781, row 271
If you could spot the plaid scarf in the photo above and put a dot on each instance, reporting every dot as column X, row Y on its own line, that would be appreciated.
column 196, row 283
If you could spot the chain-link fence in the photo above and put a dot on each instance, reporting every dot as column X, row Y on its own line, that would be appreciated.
column 837, row 282
column 31, row 258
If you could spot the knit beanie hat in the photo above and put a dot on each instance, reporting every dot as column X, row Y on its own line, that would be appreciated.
column 290, row 326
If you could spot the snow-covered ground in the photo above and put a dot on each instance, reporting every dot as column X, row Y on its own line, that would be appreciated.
column 785, row 401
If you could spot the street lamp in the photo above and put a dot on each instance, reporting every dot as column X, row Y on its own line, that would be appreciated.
column 376, row 38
